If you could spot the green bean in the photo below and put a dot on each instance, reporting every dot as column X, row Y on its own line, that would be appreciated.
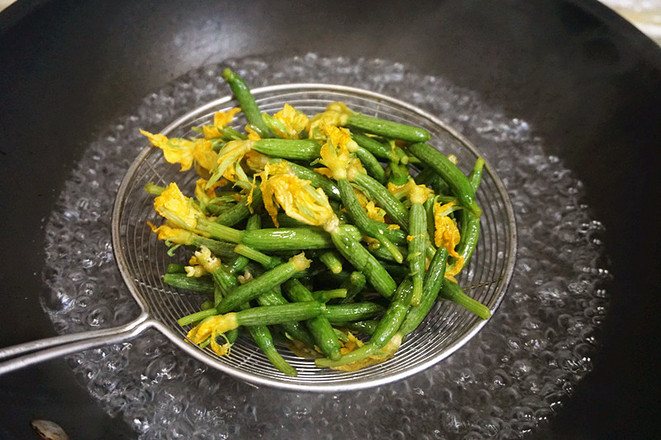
column 450, row 174
column 323, row 296
column 354, row 284
column 332, row 261
column 270, row 315
column 385, row 330
column 357, row 311
column 299, row 311
column 383, row 254
column 261, row 284
column 387, row 129
column 393, row 317
column 240, row 211
column 182, row 281
column 264, row 340
column 247, row 102
column 282, row 239
column 383, row 198
column 470, row 224
column 452, row 292
column 367, row 326
column 362, row 221
column 362, row 260
column 371, row 164
column 372, row 145
column 270, row 299
column 416, row 256
column 294, row 149
column 294, row 329
column 432, row 285
column 319, row 327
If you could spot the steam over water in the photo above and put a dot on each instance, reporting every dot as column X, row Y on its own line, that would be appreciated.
column 505, row 383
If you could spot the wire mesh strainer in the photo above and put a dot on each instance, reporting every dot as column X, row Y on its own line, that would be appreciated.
column 142, row 259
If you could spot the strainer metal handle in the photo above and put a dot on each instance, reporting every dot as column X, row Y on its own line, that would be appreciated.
column 33, row 352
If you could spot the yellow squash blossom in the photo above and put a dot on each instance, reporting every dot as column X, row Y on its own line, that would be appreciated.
column 206, row 259
column 171, row 234
column 336, row 114
column 220, row 121
column 374, row 212
column 206, row 194
column 447, row 235
column 295, row 196
column 252, row 134
column 184, row 151
column 228, row 162
column 256, row 161
column 220, row 349
column 194, row 268
column 212, row 325
column 383, row 354
column 210, row 329
column 202, row 262
column 177, row 208
column 289, row 123
column 336, row 153
column 398, row 191
column 419, row 193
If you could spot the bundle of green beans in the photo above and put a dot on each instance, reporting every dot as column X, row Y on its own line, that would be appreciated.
column 315, row 230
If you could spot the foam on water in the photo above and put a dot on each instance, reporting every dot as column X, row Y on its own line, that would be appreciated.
column 505, row 383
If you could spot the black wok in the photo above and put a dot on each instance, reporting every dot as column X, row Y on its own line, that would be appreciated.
column 588, row 81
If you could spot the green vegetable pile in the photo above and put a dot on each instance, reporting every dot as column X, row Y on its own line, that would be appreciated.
column 337, row 232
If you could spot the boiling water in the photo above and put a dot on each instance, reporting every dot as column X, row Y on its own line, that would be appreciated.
column 505, row 383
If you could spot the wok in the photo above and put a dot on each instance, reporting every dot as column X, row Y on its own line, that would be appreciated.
column 587, row 81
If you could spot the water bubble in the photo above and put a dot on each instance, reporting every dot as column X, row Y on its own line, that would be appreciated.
column 510, row 378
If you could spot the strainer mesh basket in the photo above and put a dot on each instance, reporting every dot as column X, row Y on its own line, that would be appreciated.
column 143, row 260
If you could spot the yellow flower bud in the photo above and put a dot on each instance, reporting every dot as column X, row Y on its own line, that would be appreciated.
column 336, row 114
column 184, row 151
column 447, row 235
column 177, row 208
column 214, row 324
column 293, row 122
column 295, row 196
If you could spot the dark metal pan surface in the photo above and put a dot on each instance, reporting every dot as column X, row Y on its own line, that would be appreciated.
column 587, row 82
